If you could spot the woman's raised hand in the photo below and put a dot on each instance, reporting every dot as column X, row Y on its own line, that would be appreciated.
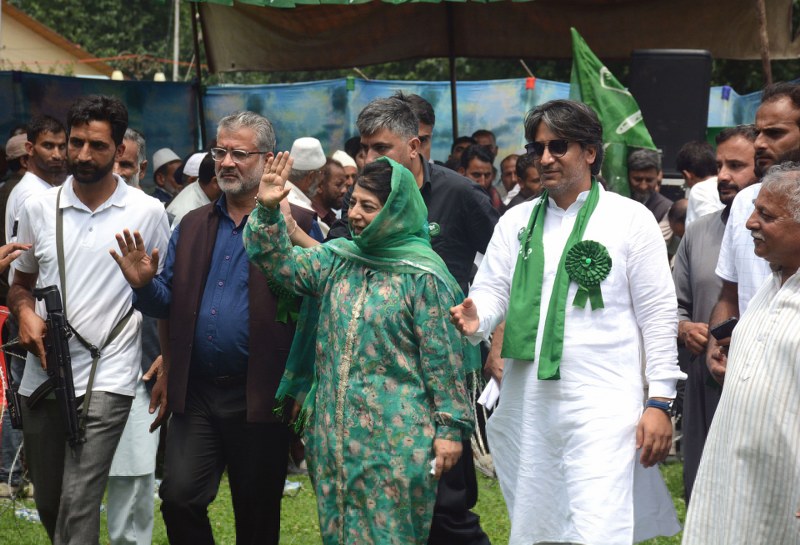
column 272, row 189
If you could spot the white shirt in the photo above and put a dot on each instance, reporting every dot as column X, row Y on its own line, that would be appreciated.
column 30, row 184
column 297, row 197
column 737, row 259
column 703, row 199
column 98, row 296
column 190, row 198
column 511, row 194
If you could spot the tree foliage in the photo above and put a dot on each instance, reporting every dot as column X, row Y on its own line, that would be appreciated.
column 111, row 28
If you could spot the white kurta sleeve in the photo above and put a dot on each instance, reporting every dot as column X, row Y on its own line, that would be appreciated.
column 655, row 306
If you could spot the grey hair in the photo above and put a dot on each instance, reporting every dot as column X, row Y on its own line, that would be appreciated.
column 644, row 159
column 784, row 180
column 296, row 175
column 392, row 114
column 570, row 120
column 137, row 138
column 265, row 134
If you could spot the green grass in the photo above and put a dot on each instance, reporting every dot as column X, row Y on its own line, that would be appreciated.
column 299, row 516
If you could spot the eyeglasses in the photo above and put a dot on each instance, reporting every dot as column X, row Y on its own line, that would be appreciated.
column 557, row 148
column 237, row 155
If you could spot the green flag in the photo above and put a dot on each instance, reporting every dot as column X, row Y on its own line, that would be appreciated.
column 623, row 127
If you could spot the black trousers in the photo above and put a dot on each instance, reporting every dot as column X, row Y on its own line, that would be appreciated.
column 699, row 405
column 211, row 435
column 453, row 522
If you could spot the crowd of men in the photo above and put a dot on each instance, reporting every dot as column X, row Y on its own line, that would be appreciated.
column 598, row 312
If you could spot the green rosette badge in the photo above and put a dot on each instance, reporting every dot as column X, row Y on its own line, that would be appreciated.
column 588, row 264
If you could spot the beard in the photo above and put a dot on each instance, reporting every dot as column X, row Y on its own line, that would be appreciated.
column 242, row 185
column 641, row 196
column 89, row 172
column 133, row 180
column 788, row 156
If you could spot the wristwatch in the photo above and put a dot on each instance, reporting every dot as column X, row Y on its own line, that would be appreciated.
column 666, row 406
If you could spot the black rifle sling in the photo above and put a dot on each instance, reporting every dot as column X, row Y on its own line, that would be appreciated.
column 95, row 352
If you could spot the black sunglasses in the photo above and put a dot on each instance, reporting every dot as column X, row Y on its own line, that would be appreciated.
column 557, row 148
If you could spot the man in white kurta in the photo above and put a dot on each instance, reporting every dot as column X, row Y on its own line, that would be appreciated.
column 748, row 485
column 566, row 450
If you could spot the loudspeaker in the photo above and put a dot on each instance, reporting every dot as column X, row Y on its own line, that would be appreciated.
column 671, row 87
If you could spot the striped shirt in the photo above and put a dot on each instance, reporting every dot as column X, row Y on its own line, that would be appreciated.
column 748, row 485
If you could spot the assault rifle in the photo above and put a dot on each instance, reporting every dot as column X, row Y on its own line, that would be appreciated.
column 59, row 365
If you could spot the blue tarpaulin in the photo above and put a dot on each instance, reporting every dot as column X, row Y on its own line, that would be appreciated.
column 167, row 112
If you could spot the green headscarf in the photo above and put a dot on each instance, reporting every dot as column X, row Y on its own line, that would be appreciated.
column 396, row 240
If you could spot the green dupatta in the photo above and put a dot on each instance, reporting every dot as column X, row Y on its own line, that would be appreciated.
column 397, row 240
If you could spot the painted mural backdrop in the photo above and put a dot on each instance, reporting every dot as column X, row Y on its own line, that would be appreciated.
column 167, row 112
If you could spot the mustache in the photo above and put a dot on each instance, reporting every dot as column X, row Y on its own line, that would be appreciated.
column 757, row 235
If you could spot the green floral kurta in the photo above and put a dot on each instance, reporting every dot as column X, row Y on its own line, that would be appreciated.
column 390, row 379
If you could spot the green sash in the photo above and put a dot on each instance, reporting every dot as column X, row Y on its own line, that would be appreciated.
column 522, row 319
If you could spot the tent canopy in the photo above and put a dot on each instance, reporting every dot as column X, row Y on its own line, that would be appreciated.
column 297, row 35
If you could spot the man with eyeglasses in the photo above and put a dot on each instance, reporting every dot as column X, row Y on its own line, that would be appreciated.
column 589, row 277
column 226, row 341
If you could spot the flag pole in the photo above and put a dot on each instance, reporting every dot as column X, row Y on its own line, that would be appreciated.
column 761, row 14
column 452, row 63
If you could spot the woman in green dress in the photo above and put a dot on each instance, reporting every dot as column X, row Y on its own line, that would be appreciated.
column 388, row 407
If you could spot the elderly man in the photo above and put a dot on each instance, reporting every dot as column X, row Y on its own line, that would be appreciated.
column 132, row 165
column 165, row 163
column 74, row 225
column 304, row 181
column 131, row 481
column 227, row 346
column 349, row 165
column 592, row 293
column 697, row 287
column 746, row 487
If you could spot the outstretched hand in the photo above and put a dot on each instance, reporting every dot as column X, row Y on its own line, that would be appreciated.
column 465, row 317
column 272, row 189
column 10, row 252
column 137, row 267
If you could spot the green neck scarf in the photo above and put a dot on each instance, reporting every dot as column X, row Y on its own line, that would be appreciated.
column 522, row 320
